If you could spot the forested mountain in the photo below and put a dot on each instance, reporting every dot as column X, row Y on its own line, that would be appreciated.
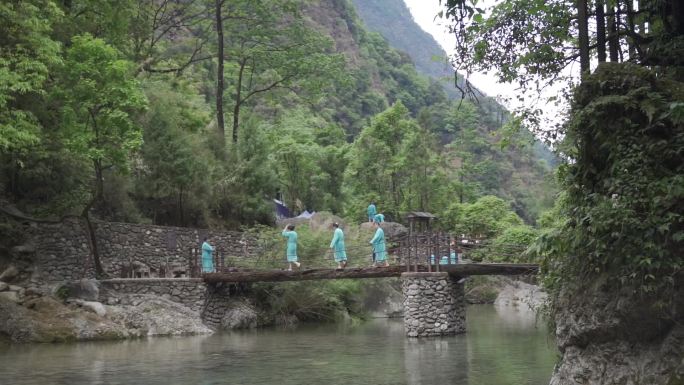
column 199, row 113
column 393, row 20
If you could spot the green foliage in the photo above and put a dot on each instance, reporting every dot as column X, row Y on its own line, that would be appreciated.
column 27, row 55
column 174, row 182
column 395, row 162
column 489, row 216
column 624, row 189
column 311, row 301
column 62, row 293
column 511, row 244
column 312, row 103
column 99, row 98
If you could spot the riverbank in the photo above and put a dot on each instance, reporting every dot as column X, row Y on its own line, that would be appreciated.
column 122, row 309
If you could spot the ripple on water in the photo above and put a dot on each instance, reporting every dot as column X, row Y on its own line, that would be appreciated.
column 502, row 346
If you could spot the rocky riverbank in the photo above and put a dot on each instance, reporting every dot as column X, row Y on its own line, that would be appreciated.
column 30, row 315
column 609, row 337
column 32, row 311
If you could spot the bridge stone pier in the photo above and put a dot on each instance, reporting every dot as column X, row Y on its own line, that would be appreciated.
column 434, row 304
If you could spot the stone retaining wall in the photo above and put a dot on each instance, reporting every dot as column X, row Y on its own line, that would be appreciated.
column 434, row 304
column 62, row 252
column 134, row 250
column 129, row 250
column 218, row 301
column 190, row 292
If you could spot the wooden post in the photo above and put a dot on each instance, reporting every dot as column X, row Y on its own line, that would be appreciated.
column 428, row 251
column 415, row 259
column 438, row 252
column 449, row 238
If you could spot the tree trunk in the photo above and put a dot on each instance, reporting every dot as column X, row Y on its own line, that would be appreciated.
column 676, row 17
column 583, row 25
column 460, row 270
column 219, row 76
column 631, row 27
column 238, row 101
column 613, row 39
column 85, row 214
column 600, row 31
column 181, row 219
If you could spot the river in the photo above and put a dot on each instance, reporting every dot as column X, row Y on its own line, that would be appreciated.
column 501, row 346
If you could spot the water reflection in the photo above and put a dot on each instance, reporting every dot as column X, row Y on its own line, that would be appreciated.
column 436, row 360
column 500, row 348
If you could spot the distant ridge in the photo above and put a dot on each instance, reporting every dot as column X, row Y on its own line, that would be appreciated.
column 393, row 20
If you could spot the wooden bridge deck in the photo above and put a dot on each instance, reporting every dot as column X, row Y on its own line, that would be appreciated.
column 461, row 270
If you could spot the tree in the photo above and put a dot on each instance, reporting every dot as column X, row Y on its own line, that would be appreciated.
column 270, row 47
column 177, row 168
column 28, row 55
column 372, row 172
column 489, row 216
column 100, row 97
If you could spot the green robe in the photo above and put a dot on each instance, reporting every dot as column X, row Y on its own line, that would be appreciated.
column 371, row 210
column 337, row 244
column 207, row 258
column 291, row 245
column 378, row 243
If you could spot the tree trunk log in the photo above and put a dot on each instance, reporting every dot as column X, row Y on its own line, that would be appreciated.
column 461, row 270
column 583, row 26
column 600, row 31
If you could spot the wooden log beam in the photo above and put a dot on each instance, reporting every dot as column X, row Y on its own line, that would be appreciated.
column 460, row 270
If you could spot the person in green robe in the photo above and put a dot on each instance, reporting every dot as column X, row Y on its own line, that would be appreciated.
column 207, row 256
column 379, row 218
column 379, row 250
column 337, row 246
column 291, row 235
column 371, row 211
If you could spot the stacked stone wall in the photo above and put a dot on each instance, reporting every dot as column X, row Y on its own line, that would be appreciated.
column 190, row 292
column 218, row 301
column 162, row 251
column 129, row 250
column 61, row 251
column 434, row 304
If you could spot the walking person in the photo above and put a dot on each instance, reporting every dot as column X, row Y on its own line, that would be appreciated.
column 207, row 256
column 371, row 211
column 379, row 250
column 291, row 235
column 337, row 246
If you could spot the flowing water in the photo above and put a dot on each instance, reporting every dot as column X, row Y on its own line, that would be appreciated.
column 501, row 346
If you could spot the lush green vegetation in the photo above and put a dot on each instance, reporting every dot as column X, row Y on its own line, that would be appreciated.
column 115, row 113
column 620, row 221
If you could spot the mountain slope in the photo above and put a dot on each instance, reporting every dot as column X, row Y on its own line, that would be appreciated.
column 393, row 20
